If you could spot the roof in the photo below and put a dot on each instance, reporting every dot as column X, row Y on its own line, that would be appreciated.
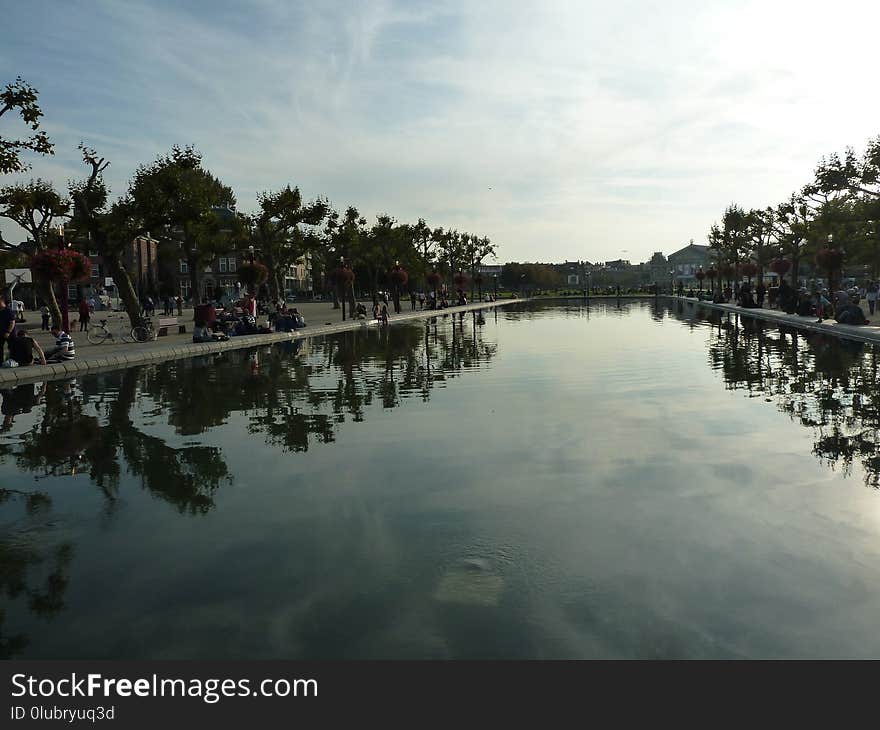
column 695, row 248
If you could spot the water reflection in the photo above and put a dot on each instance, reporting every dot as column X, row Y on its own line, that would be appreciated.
column 135, row 428
column 824, row 383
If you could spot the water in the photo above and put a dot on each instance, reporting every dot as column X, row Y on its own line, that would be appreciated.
column 549, row 481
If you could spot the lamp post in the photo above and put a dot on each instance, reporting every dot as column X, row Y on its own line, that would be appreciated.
column 495, row 285
column 672, row 282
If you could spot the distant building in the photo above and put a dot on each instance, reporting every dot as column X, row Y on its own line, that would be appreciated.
column 687, row 261
column 658, row 268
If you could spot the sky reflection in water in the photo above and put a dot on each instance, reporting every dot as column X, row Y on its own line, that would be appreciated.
column 545, row 481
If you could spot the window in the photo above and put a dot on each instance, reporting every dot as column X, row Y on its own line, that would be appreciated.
column 184, row 267
column 96, row 273
column 222, row 265
column 232, row 263
column 185, row 289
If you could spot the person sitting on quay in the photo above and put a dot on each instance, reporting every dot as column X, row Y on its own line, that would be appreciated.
column 462, row 299
column 808, row 306
column 21, row 351
column 849, row 312
column 64, row 350
column 383, row 315
column 360, row 312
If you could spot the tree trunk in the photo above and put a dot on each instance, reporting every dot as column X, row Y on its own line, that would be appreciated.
column 272, row 281
column 195, row 284
column 51, row 302
column 124, row 286
column 795, row 271
column 352, row 304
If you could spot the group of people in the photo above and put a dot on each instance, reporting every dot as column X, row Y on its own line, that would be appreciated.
column 844, row 306
column 241, row 319
column 18, row 349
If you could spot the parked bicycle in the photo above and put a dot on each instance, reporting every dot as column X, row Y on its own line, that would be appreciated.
column 101, row 333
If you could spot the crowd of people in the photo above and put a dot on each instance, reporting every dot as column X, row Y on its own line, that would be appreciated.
column 844, row 306
column 215, row 323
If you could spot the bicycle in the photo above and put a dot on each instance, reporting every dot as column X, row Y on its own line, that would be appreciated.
column 143, row 332
column 100, row 333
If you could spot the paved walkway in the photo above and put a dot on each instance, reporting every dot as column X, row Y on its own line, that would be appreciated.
column 321, row 319
column 862, row 333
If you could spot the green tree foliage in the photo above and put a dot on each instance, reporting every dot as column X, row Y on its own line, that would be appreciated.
column 177, row 195
column 22, row 97
column 284, row 230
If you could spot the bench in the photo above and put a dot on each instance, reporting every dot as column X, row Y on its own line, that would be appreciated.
column 166, row 322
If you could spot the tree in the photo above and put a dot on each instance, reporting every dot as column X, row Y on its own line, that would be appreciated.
column 177, row 194
column 344, row 239
column 21, row 96
column 793, row 225
column 761, row 238
column 857, row 175
column 35, row 206
column 277, row 231
column 106, row 228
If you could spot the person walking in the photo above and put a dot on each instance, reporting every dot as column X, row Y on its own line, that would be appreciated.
column 44, row 314
column 760, row 293
column 412, row 299
column 871, row 295
column 84, row 315
column 179, row 306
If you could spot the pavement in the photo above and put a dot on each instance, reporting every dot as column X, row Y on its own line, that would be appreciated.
column 862, row 333
column 320, row 318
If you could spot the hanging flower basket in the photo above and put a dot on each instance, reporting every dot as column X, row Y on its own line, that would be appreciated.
column 780, row 266
column 711, row 273
column 460, row 279
column 726, row 271
column 829, row 259
column 64, row 265
column 342, row 275
column 434, row 279
column 749, row 269
column 478, row 279
column 399, row 276
column 700, row 274
column 253, row 274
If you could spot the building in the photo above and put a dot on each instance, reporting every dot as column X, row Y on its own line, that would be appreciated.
column 657, row 268
column 687, row 261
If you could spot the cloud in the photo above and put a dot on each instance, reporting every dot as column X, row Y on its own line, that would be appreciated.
column 598, row 127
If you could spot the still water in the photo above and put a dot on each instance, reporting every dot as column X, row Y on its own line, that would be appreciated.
column 547, row 481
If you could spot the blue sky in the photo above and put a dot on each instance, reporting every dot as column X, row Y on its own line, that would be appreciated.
column 604, row 130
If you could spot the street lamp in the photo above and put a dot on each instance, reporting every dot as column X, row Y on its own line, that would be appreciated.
column 495, row 285
column 672, row 281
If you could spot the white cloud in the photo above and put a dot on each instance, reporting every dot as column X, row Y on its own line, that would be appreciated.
column 599, row 127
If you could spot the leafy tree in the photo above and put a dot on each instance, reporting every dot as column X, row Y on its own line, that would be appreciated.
column 35, row 206
column 793, row 225
column 21, row 96
column 107, row 228
column 277, row 230
column 177, row 194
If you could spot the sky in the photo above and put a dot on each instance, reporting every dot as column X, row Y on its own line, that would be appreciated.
column 560, row 130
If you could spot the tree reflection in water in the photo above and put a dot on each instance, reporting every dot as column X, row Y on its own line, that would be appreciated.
column 103, row 427
column 824, row 383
